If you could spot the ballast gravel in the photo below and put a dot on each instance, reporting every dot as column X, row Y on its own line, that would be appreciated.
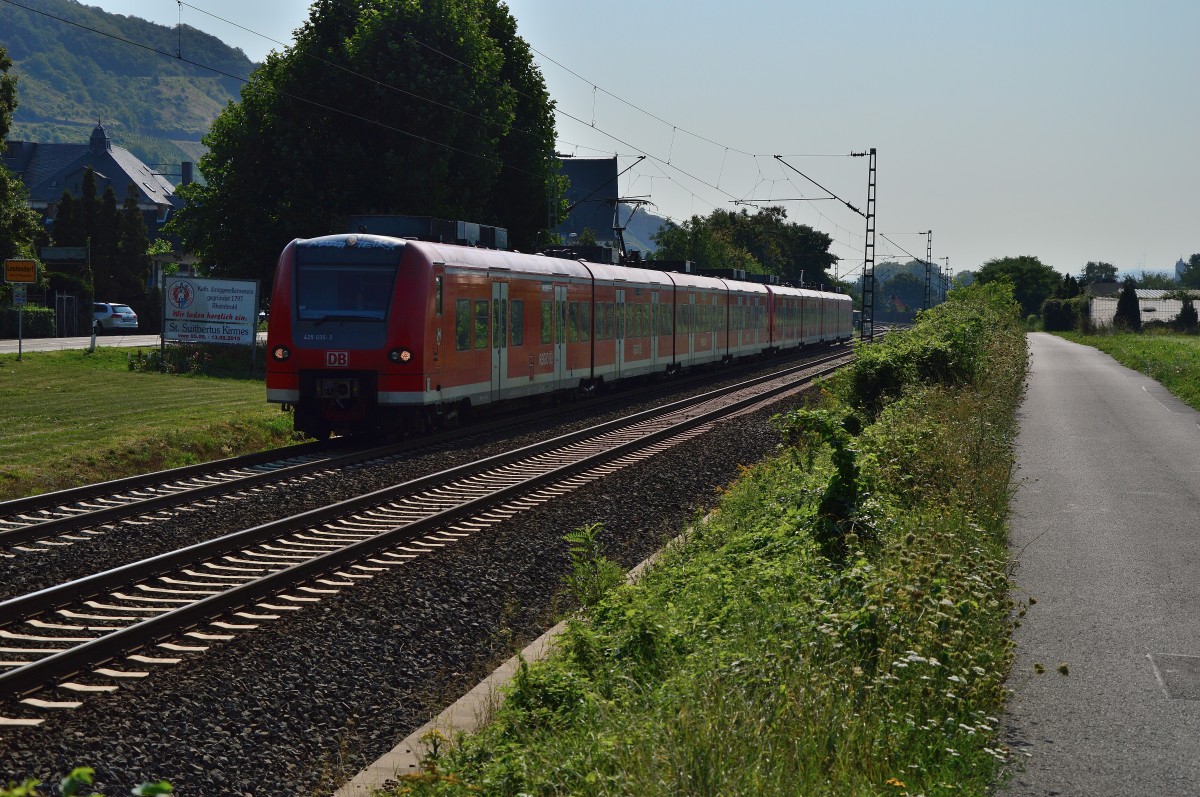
column 301, row 704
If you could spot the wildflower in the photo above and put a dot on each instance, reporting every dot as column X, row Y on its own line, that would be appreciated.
column 896, row 782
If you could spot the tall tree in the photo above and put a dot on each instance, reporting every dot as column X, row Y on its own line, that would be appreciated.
column 439, row 120
column 1190, row 278
column 19, row 226
column 68, row 222
column 1129, row 312
column 104, row 249
column 1032, row 280
column 132, row 263
column 1098, row 272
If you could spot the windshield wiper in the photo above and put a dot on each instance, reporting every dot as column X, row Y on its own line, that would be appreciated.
column 335, row 317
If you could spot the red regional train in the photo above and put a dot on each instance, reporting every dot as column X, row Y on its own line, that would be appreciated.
column 369, row 332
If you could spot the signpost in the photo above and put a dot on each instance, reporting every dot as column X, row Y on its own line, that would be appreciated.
column 20, row 273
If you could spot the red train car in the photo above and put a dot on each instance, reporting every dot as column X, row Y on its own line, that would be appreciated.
column 373, row 332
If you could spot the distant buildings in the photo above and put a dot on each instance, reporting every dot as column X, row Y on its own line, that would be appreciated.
column 50, row 169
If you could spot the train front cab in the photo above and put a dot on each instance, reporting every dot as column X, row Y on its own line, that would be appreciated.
column 338, row 336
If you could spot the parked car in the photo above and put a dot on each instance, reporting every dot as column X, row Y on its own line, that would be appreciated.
column 111, row 317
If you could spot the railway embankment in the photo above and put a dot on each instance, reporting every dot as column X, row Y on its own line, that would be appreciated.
column 839, row 625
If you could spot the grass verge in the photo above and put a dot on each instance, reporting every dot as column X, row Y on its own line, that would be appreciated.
column 70, row 418
column 1171, row 359
column 840, row 626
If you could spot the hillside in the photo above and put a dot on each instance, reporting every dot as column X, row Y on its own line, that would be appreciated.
column 156, row 106
column 641, row 230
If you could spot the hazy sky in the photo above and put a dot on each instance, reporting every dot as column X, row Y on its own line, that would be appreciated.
column 1064, row 129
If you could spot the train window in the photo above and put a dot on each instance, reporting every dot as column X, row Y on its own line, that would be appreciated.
column 343, row 291
column 437, row 295
column 517, row 321
column 573, row 322
column 585, row 321
column 481, row 323
column 620, row 331
column 547, row 322
column 610, row 323
column 462, row 324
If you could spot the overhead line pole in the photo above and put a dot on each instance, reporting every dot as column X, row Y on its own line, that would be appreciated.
column 928, row 268
column 867, row 332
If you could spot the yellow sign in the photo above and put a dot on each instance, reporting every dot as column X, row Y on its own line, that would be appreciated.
column 20, row 271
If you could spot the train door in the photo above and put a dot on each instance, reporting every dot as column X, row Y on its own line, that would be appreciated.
column 620, row 332
column 499, row 338
column 439, row 287
column 693, row 318
column 654, row 310
column 560, row 335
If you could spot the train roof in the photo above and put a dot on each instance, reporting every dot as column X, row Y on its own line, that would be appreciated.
column 472, row 257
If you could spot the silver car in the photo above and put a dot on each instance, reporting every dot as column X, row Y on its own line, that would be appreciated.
column 111, row 317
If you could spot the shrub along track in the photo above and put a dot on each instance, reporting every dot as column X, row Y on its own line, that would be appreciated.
column 438, row 632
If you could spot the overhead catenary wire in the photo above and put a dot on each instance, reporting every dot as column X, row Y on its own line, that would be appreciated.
column 668, row 163
column 592, row 123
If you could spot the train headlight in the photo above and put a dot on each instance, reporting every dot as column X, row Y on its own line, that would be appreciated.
column 280, row 353
column 400, row 355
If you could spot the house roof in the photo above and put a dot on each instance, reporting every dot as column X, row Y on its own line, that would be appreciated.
column 49, row 169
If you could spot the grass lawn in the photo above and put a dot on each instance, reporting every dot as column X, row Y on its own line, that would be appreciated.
column 1173, row 360
column 70, row 418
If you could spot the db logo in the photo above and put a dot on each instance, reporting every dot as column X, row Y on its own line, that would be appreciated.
column 337, row 359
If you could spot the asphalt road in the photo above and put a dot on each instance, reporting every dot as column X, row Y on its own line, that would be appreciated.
column 109, row 340
column 1106, row 539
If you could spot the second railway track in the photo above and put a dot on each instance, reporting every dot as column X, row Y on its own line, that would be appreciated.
column 142, row 614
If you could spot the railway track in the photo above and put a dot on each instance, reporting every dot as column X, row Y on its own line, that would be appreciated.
column 91, row 634
column 67, row 517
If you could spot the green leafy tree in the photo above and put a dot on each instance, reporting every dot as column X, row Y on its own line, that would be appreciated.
column 1069, row 288
column 1190, row 278
column 19, row 225
column 452, row 121
column 1033, row 281
column 1098, row 272
column 904, row 293
column 1158, row 280
column 1188, row 320
column 763, row 243
column 1129, row 311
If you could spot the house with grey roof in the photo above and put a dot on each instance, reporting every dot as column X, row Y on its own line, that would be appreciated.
column 50, row 169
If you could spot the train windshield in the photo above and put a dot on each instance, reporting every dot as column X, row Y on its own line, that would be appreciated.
column 353, row 292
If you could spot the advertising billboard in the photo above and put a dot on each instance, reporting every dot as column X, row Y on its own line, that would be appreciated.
column 209, row 310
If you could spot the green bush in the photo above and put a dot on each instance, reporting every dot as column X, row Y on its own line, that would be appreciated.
column 35, row 322
column 944, row 347
column 1061, row 315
